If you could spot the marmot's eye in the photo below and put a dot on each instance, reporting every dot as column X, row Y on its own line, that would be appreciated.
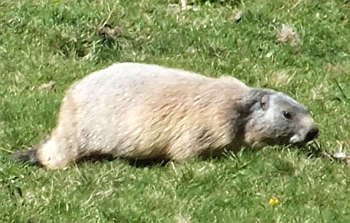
column 287, row 115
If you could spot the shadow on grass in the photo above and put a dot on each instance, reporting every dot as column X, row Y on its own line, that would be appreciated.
column 312, row 150
column 220, row 2
column 138, row 163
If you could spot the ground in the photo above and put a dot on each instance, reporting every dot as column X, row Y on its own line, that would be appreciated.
column 299, row 47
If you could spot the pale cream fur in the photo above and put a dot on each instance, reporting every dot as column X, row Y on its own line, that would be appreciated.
column 141, row 111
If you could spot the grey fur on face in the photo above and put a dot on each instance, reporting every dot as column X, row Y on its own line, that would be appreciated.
column 278, row 118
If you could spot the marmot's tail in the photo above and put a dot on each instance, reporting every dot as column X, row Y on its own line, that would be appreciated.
column 27, row 156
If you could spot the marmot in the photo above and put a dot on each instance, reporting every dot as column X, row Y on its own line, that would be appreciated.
column 143, row 111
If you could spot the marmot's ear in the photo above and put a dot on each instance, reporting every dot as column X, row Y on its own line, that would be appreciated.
column 264, row 102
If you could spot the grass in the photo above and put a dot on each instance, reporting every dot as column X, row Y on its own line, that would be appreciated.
column 60, row 41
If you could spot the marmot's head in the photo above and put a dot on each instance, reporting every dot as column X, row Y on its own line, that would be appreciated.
column 275, row 118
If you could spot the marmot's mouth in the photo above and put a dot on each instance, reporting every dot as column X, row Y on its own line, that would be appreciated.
column 296, row 139
column 309, row 136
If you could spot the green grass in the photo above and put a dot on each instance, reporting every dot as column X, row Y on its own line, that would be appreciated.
column 61, row 41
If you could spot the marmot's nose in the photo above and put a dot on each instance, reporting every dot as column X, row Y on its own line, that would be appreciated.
column 312, row 134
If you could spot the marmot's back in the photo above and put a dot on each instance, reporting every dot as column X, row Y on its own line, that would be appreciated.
column 134, row 79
